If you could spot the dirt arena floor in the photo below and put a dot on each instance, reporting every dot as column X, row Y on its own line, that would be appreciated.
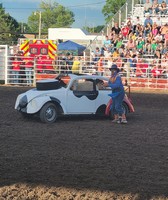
column 83, row 158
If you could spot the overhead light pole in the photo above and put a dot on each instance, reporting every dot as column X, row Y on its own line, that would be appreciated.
column 39, row 13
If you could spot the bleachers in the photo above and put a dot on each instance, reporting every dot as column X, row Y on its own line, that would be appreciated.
column 138, row 10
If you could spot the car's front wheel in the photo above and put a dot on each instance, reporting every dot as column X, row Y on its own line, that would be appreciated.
column 48, row 113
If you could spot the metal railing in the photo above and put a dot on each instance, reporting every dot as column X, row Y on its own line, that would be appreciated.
column 144, row 73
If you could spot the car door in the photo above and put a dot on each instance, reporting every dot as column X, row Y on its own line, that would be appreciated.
column 81, row 97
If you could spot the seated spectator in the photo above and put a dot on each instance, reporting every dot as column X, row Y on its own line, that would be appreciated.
column 154, row 46
column 130, row 44
column 132, row 36
column 119, row 42
column 106, row 42
column 97, row 54
column 116, row 28
column 120, row 36
column 163, row 8
column 121, row 50
column 140, row 44
column 125, row 31
column 147, row 29
column 157, row 54
column 147, row 7
column 147, row 46
column 158, row 22
column 154, row 29
column 107, row 54
column 148, row 20
column 135, row 22
column 159, row 47
column 164, row 29
column 158, row 37
column 164, row 49
column 129, row 23
column 139, row 30
column 155, row 7
column 115, row 53
column 112, row 37
column 166, row 38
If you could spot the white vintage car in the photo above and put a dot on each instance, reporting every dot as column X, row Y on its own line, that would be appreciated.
column 67, row 95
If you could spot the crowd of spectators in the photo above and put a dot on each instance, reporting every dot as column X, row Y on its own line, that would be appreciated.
column 139, row 48
column 140, row 44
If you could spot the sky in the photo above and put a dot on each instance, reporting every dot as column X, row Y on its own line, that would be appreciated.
column 87, row 12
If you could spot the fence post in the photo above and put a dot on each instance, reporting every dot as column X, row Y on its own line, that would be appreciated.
column 132, row 6
column 107, row 32
column 112, row 23
column 126, row 10
column 6, row 64
column 119, row 18
column 34, row 72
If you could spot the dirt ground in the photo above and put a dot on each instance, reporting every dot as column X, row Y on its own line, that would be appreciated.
column 81, row 158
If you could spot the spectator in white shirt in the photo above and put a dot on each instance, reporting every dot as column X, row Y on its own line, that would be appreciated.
column 158, row 22
column 148, row 7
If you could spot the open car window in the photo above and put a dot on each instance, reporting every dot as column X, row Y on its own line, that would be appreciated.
column 100, row 85
column 83, row 85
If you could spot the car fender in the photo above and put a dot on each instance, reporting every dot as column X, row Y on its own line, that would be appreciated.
column 126, row 100
column 129, row 104
column 36, row 104
column 108, row 107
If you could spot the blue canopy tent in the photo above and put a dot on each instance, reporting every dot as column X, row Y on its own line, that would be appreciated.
column 71, row 47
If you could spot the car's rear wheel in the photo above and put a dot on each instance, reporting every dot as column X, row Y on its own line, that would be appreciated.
column 48, row 113
column 125, row 108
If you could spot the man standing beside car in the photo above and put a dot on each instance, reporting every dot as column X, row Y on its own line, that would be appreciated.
column 117, row 95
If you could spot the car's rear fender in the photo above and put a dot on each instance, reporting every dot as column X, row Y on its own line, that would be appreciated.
column 129, row 104
column 126, row 101
column 36, row 104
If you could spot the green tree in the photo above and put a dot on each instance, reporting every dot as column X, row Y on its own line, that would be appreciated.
column 111, row 7
column 53, row 15
column 9, row 29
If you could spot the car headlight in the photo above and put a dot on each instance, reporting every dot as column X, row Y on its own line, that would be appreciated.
column 23, row 102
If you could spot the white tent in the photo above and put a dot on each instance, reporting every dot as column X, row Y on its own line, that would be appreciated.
column 71, row 34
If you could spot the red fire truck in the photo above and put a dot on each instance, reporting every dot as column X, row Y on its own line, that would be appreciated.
column 34, row 47
column 42, row 47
